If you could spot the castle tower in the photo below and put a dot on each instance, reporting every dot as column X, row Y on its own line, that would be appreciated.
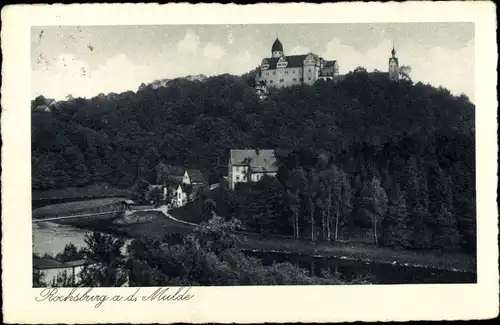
column 277, row 49
column 393, row 66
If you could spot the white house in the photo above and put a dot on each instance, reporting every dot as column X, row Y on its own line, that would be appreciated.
column 250, row 165
column 52, row 268
column 192, row 183
column 186, row 193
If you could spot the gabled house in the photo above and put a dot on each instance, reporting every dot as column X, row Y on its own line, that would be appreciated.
column 250, row 165
column 193, row 176
column 189, row 187
column 186, row 193
column 171, row 186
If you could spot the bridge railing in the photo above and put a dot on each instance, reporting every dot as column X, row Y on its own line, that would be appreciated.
column 73, row 215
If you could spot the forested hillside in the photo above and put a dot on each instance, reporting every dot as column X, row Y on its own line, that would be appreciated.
column 400, row 154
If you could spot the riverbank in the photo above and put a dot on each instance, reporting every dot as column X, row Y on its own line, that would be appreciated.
column 161, row 225
column 457, row 262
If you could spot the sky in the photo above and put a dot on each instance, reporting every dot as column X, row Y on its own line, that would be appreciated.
column 88, row 60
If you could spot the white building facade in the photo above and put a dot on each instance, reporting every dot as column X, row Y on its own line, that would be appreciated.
column 250, row 165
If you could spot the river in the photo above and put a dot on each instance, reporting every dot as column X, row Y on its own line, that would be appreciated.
column 51, row 238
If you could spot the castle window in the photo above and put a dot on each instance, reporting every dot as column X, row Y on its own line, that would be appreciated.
column 237, row 178
column 270, row 81
column 294, row 79
column 309, row 78
column 309, row 70
column 282, row 80
column 286, row 71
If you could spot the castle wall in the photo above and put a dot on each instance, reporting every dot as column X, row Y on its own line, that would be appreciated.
column 311, row 73
column 282, row 77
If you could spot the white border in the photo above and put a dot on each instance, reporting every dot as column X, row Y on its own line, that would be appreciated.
column 244, row 304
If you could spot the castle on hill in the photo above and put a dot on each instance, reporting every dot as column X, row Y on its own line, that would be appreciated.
column 282, row 70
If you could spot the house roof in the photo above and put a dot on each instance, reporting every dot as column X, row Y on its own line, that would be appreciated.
column 294, row 61
column 263, row 160
column 175, row 178
column 194, row 187
column 45, row 263
column 329, row 64
column 81, row 262
column 75, row 206
column 45, row 105
column 195, row 175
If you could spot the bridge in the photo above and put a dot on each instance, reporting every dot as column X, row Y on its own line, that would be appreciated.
column 87, row 215
column 101, row 209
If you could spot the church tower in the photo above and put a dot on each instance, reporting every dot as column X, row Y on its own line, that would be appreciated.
column 393, row 66
column 277, row 49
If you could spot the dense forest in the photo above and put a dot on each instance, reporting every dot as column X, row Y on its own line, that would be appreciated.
column 394, row 158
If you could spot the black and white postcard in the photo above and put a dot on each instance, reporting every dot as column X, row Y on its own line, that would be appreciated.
column 264, row 163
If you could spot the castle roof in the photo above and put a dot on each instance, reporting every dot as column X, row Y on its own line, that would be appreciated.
column 329, row 64
column 263, row 160
column 277, row 46
column 294, row 61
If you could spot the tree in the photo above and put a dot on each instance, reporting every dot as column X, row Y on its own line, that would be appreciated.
column 62, row 279
column 295, row 185
column 404, row 72
column 105, row 252
column 422, row 233
column 265, row 203
column 410, row 181
column 39, row 100
column 70, row 253
column 38, row 277
column 155, row 194
column 217, row 235
column 342, row 201
column 360, row 70
column 165, row 173
column 446, row 236
column 139, row 191
column 396, row 227
column 209, row 208
column 375, row 202
column 309, row 194
column 335, row 197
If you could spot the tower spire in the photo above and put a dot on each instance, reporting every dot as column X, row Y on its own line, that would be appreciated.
column 393, row 52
